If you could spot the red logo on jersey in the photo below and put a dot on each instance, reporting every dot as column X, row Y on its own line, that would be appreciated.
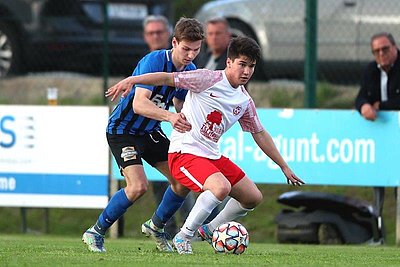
column 237, row 110
column 212, row 128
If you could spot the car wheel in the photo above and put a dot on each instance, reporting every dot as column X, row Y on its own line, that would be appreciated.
column 307, row 234
column 9, row 51
column 239, row 28
column 328, row 234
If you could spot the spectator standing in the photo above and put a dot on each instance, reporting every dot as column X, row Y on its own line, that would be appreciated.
column 157, row 35
column 218, row 36
column 157, row 32
column 380, row 90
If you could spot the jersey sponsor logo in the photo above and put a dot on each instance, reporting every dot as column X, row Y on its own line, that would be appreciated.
column 237, row 110
column 129, row 153
column 158, row 101
column 212, row 95
column 212, row 128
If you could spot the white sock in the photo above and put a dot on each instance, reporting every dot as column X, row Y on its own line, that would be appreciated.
column 230, row 212
column 203, row 207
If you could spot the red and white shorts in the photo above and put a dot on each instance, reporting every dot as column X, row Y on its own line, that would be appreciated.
column 192, row 171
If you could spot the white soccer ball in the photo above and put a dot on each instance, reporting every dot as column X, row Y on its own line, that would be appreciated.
column 231, row 237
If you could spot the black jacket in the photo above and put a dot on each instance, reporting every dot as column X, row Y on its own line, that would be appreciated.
column 370, row 90
column 202, row 59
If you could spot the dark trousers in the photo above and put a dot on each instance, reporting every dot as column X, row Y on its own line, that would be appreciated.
column 379, row 199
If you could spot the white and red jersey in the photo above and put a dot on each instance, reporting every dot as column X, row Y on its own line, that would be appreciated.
column 211, row 106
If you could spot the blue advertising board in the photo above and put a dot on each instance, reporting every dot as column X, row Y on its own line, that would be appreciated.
column 323, row 147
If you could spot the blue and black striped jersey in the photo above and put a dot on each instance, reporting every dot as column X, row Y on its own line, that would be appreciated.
column 123, row 120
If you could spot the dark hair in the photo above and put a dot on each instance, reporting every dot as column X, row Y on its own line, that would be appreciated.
column 244, row 46
column 388, row 35
column 188, row 29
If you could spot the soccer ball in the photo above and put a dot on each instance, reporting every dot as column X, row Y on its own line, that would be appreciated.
column 230, row 237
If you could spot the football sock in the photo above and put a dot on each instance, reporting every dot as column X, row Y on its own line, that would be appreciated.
column 205, row 203
column 232, row 210
column 117, row 206
column 170, row 203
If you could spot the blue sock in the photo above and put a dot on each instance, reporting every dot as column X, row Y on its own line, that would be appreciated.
column 170, row 203
column 117, row 206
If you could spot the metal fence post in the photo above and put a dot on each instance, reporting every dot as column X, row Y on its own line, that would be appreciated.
column 398, row 217
column 105, row 48
column 310, row 62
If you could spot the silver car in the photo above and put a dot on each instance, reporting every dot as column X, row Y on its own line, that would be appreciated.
column 344, row 31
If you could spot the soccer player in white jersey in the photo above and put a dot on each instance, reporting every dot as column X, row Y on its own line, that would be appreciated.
column 216, row 100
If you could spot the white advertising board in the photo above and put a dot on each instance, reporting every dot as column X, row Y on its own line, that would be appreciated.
column 53, row 156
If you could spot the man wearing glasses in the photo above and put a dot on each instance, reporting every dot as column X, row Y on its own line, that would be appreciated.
column 380, row 86
column 157, row 32
column 380, row 90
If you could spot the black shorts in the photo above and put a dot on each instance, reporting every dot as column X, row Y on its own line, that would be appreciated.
column 130, row 149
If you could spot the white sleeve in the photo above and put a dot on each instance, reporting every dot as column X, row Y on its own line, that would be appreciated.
column 197, row 80
column 250, row 121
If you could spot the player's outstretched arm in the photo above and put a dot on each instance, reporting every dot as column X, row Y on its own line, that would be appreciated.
column 125, row 86
column 267, row 145
column 196, row 81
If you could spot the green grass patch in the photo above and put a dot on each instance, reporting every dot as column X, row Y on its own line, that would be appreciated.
column 28, row 250
column 260, row 222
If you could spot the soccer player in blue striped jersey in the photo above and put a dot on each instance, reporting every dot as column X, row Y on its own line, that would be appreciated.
column 134, row 133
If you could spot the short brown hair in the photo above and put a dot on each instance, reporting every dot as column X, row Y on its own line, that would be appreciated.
column 244, row 46
column 188, row 29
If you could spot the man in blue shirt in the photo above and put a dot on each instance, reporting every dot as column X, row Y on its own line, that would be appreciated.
column 134, row 133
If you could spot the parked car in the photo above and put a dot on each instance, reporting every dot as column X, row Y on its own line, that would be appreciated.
column 324, row 218
column 68, row 34
column 344, row 31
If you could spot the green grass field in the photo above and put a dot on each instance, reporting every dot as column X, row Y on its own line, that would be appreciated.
column 63, row 247
column 29, row 250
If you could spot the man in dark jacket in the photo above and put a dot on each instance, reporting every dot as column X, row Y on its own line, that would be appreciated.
column 380, row 90
column 218, row 36
column 380, row 87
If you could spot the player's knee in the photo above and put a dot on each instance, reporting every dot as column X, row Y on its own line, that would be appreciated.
column 222, row 191
column 135, row 191
column 174, row 182
column 254, row 200
column 179, row 189
column 258, row 197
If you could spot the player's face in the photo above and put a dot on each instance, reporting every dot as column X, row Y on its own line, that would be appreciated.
column 184, row 52
column 240, row 70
